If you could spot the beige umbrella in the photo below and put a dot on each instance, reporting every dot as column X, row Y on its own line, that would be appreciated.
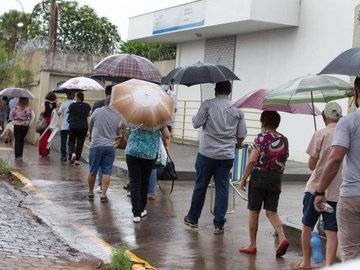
column 142, row 104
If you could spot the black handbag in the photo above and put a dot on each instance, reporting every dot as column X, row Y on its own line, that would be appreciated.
column 41, row 125
column 167, row 172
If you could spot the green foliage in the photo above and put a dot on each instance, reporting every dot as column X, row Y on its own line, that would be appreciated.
column 119, row 261
column 11, row 30
column 79, row 27
column 153, row 52
column 4, row 168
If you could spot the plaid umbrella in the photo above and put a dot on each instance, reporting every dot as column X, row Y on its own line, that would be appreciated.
column 122, row 67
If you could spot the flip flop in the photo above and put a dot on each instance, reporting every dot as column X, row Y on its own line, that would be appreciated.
column 104, row 199
column 90, row 196
column 296, row 266
column 282, row 248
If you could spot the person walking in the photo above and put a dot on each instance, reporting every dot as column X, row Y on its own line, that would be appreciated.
column 99, row 104
column 346, row 143
column 141, row 152
column 65, row 125
column 22, row 115
column 266, row 166
column 104, row 124
column 47, row 108
column 78, row 126
column 319, row 149
column 4, row 109
column 222, row 127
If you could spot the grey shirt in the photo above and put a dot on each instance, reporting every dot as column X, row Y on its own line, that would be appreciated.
column 347, row 134
column 221, row 124
column 104, row 123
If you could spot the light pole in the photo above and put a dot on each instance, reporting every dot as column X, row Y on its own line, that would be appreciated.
column 53, row 26
column 24, row 23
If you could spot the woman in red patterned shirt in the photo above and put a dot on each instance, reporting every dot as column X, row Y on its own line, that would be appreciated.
column 266, row 166
column 22, row 114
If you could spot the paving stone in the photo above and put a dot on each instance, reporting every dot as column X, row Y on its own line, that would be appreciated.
column 28, row 244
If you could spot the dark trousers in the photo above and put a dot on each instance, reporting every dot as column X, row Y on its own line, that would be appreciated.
column 205, row 169
column 64, row 139
column 139, row 172
column 20, row 134
column 76, row 141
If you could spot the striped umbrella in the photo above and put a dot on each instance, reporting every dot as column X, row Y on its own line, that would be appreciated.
column 122, row 67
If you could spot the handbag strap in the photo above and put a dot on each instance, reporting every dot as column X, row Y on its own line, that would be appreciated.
column 171, row 189
column 173, row 181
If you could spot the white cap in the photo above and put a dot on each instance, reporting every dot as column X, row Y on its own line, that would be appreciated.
column 333, row 111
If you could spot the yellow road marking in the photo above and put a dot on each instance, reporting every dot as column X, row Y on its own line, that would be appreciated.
column 6, row 149
column 105, row 245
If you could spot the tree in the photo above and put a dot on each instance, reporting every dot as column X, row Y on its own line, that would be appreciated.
column 153, row 52
column 13, row 28
column 79, row 28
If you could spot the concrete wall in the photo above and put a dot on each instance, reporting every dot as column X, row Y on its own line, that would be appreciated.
column 165, row 66
column 269, row 58
column 47, row 69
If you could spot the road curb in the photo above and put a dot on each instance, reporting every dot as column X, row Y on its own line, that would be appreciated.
column 27, row 183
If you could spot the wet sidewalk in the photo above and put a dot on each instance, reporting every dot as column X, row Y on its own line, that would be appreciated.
column 59, row 198
column 26, row 242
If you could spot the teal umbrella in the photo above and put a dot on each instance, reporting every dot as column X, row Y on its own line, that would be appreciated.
column 310, row 88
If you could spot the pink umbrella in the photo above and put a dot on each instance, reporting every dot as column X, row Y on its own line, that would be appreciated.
column 254, row 99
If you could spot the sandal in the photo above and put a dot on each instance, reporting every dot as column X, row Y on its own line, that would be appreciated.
column 90, row 196
column 104, row 199
column 77, row 162
column 73, row 157
column 296, row 266
column 126, row 186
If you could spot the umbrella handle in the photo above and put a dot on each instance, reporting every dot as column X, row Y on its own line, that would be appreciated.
column 313, row 107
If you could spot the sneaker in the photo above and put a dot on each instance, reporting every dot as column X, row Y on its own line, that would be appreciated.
column 218, row 230
column 98, row 189
column 63, row 159
column 189, row 223
column 143, row 213
column 136, row 219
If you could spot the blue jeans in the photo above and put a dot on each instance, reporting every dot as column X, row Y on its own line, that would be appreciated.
column 152, row 182
column 64, row 133
column 205, row 169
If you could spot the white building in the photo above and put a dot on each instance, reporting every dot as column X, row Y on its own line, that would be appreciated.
column 265, row 42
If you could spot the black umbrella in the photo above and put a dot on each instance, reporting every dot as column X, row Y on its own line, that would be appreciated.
column 199, row 73
column 347, row 63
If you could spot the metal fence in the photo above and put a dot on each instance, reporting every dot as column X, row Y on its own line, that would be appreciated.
column 184, row 131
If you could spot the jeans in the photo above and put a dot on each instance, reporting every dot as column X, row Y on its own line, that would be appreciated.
column 152, row 182
column 205, row 169
column 139, row 173
column 64, row 139
column 20, row 134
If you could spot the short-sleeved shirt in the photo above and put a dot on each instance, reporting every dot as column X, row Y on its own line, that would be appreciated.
column 274, row 151
column 22, row 117
column 63, row 110
column 347, row 134
column 97, row 105
column 143, row 144
column 78, row 114
column 221, row 125
column 320, row 147
column 104, row 123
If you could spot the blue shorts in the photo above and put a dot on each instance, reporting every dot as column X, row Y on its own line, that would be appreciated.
column 101, row 157
column 311, row 216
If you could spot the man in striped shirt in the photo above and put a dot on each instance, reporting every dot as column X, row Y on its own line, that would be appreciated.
column 222, row 127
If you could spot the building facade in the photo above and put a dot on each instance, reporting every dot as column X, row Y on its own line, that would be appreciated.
column 265, row 42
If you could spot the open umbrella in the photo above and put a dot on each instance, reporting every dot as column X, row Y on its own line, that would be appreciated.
column 310, row 88
column 253, row 100
column 79, row 84
column 122, row 67
column 142, row 104
column 347, row 63
column 16, row 92
column 199, row 73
